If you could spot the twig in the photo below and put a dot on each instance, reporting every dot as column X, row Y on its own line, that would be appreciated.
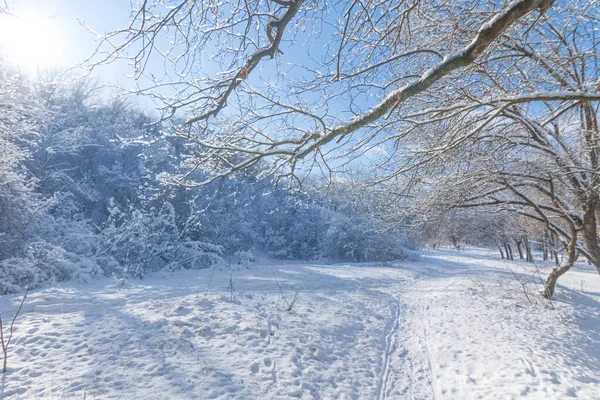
column 6, row 343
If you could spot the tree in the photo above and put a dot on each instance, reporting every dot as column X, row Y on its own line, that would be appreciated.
column 535, row 154
column 398, row 52
column 17, row 127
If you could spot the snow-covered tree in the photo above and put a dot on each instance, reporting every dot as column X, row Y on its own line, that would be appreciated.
column 531, row 144
column 290, row 80
column 18, row 201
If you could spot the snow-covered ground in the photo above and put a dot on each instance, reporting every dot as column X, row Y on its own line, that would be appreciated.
column 454, row 325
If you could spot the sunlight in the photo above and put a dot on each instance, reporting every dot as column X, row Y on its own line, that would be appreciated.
column 31, row 42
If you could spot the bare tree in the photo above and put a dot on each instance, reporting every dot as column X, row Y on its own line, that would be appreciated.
column 532, row 153
column 345, row 75
column 5, row 341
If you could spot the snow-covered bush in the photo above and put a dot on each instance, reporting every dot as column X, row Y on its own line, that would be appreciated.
column 354, row 237
column 17, row 273
column 143, row 241
column 245, row 259
column 192, row 254
column 45, row 263
column 82, row 195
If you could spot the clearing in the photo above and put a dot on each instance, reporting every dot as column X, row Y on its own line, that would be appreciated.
column 453, row 325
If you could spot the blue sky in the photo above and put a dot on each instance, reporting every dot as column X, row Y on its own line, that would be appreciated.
column 57, row 25
column 47, row 33
column 54, row 27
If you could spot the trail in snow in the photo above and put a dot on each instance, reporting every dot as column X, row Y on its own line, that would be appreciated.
column 410, row 374
column 478, row 329
column 453, row 325
column 391, row 345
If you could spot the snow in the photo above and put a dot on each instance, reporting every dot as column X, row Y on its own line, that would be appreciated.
column 454, row 325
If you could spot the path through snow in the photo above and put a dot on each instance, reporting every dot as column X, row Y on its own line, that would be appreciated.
column 450, row 326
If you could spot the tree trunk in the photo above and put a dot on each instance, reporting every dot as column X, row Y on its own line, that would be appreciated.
column 590, row 233
column 455, row 242
column 509, row 253
column 590, row 219
column 553, row 277
column 529, row 253
column 560, row 270
column 501, row 252
column 519, row 249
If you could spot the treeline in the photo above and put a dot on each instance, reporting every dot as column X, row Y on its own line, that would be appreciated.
column 80, row 197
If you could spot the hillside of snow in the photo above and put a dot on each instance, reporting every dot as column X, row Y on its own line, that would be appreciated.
column 452, row 325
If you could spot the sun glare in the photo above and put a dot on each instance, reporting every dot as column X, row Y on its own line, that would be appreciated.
column 31, row 42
